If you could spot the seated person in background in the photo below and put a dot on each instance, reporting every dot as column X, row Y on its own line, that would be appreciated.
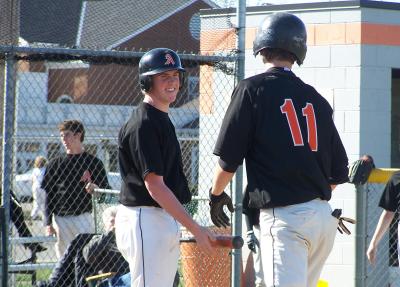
column 17, row 217
column 101, row 255
column 90, row 254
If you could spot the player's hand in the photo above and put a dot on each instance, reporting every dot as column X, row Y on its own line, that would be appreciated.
column 217, row 202
column 204, row 238
column 252, row 241
column 50, row 230
column 90, row 187
column 371, row 254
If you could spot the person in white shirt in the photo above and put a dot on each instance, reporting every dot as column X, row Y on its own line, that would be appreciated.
column 38, row 193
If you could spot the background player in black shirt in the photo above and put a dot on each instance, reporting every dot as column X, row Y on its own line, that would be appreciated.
column 390, row 203
column 284, row 130
column 69, row 182
column 154, row 186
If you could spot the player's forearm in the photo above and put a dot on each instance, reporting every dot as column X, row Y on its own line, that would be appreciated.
column 167, row 200
column 249, row 223
column 383, row 224
column 221, row 180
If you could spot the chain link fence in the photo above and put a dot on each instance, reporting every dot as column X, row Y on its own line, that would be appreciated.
column 63, row 60
column 53, row 85
column 385, row 271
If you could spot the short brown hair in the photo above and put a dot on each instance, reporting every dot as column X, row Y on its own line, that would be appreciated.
column 40, row 161
column 74, row 126
column 269, row 54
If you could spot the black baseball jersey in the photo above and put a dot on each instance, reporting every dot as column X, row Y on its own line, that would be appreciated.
column 390, row 196
column 285, row 131
column 148, row 143
column 64, row 182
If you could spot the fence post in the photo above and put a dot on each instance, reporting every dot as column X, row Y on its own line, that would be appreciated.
column 8, row 131
column 361, row 231
column 238, row 181
column 3, row 251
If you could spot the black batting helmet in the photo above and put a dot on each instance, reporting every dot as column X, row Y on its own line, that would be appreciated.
column 282, row 31
column 157, row 61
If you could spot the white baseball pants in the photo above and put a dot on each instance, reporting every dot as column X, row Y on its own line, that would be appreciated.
column 67, row 227
column 295, row 243
column 148, row 238
column 258, row 269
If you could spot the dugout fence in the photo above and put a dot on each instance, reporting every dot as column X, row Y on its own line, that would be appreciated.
column 79, row 60
column 48, row 85
column 385, row 272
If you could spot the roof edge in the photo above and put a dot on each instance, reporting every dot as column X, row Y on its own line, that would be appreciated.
column 149, row 25
column 308, row 6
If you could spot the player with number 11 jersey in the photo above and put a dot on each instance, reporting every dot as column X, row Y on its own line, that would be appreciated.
column 285, row 130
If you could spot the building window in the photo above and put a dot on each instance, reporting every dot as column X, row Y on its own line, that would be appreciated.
column 80, row 86
column 395, row 161
column 194, row 26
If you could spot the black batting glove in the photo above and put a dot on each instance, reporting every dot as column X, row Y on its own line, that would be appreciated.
column 252, row 241
column 217, row 202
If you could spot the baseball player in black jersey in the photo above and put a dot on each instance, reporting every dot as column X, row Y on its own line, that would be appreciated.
column 69, row 182
column 154, row 186
column 284, row 130
column 390, row 203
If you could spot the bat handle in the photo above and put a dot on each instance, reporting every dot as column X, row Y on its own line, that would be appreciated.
column 228, row 241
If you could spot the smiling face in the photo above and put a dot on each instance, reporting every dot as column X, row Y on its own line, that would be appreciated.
column 165, row 87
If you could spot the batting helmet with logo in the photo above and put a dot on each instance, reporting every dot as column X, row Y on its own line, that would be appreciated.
column 157, row 61
column 282, row 31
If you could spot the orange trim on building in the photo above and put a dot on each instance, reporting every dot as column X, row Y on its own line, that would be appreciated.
column 317, row 34
column 216, row 40
column 344, row 34
column 378, row 34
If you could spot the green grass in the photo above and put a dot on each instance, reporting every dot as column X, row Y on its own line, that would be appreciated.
column 24, row 280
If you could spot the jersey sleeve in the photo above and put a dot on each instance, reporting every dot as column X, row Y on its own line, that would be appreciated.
column 237, row 126
column 147, row 148
column 389, row 199
column 339, row 169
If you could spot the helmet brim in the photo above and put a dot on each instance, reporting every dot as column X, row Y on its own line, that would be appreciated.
column 162, row 70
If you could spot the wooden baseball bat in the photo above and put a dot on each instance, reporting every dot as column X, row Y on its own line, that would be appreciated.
column 222, row 241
